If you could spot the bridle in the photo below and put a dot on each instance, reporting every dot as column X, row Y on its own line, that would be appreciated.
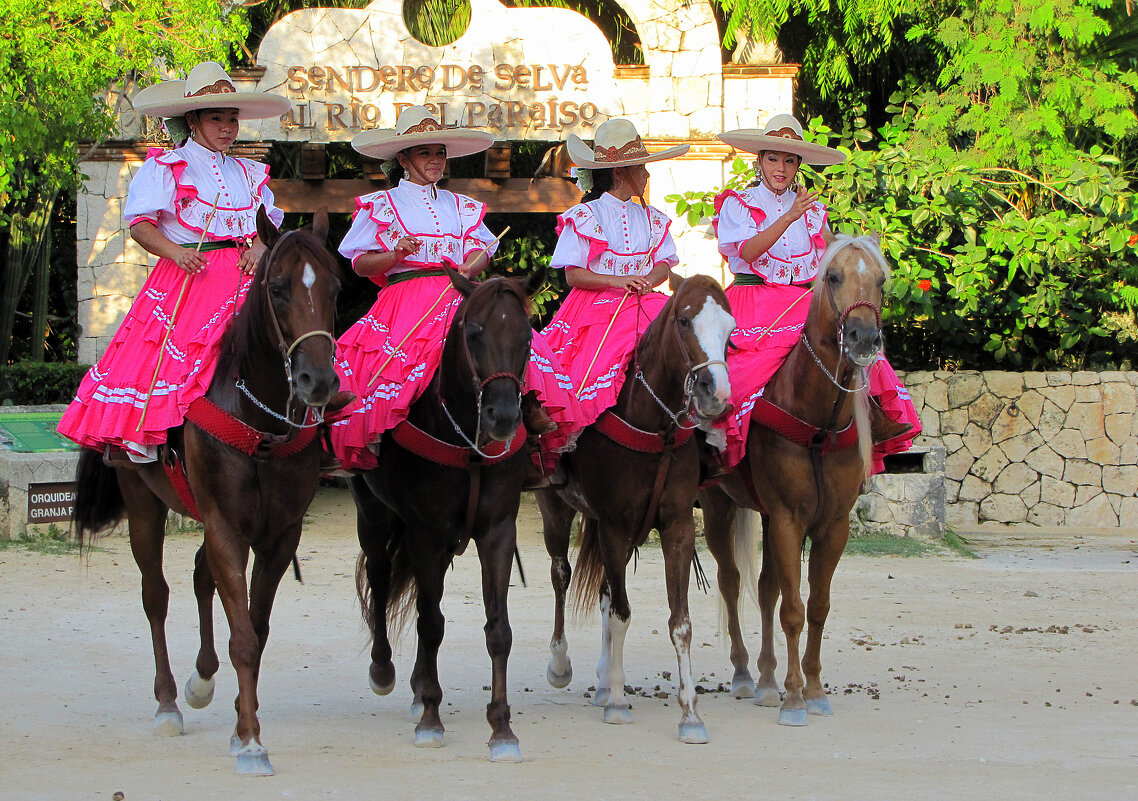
column 842, row 351
column 287, row 352
column 479, row 386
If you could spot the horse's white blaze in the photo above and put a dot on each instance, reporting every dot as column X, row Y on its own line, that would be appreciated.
column 861, row 267
column 712, row 326
column 308, row 278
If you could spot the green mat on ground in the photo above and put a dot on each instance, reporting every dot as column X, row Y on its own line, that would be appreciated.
column 33, row 432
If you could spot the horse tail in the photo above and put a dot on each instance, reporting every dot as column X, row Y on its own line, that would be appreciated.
column 401, row 591
column 98, row 499
column 589, row 572
column 363, row 592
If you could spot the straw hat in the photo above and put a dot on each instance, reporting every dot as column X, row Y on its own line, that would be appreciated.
column 782, row 134
column 417, row 126
column 207, row 86
column 616, row 144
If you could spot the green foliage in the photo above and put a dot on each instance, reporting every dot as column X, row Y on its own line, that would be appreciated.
column 38, row 383
column 525, row 253
column 54, row 542
column 698, row 206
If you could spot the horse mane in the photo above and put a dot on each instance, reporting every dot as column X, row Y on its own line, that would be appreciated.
column 246, row 332
column 870, row 247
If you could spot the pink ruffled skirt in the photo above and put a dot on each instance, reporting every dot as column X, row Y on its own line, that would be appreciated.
column 146, row 380
column 594, row 334
column 769, row 320
column 390, row 355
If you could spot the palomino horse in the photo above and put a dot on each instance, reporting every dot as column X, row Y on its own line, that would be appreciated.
column 807, row 455
column 251, row 461
column 451, row 473
column 635, row 469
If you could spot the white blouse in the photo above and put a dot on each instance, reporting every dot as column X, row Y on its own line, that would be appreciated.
column 793, row 258
column 175, row 190
column 610, row 236
column 449, row 225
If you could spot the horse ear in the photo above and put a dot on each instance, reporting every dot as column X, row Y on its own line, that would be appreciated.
column 459, row 281
column 674, row 280
column 265, row 228
column 535, row 281
column 876, row 237
column 320, row 224
column 828, row 235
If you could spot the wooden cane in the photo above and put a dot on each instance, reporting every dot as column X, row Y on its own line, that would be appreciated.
column 174, row 314
column 415, row 327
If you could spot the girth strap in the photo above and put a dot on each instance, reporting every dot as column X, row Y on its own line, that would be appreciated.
column 224, row 427
column 629, row 436
column 422, row 444
column 799, row 431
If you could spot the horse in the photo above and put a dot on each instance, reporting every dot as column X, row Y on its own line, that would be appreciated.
column 452, row 472
column 251, row 466
column 808, row 451
column 635, row 469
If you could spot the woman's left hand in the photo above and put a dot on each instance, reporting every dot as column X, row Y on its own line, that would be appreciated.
column 247, row 263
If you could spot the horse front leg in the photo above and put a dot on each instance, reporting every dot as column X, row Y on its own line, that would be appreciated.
column 825, row 552
column 719, row 522
column 146, row 519
column 201, row 683
column 557, row 524
column 430, row 568
column 785, row 534
column 677, row 539
column 495, row 552
column 767, row 692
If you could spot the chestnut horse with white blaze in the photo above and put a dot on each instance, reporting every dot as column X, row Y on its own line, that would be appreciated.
column 635, row 469
column 251, row 459
column 808, row 452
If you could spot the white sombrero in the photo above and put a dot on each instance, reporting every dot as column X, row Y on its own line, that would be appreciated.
column 782, row 134
column 207, row 86
column 418, row 126
column 617, row 144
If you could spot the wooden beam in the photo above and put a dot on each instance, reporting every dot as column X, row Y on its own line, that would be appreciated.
column 313, row 162
column 513, row 195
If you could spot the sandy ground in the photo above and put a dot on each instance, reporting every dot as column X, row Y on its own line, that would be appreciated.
column 1006, row 677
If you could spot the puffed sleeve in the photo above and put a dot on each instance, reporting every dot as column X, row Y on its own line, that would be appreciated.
column 661, row 228
column 151, row 193
column 572, row 250
column 475, row 235
column 735, row 223
column 276, row 216
column 364, row 235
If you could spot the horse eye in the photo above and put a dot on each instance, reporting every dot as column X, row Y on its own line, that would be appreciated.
column 277, row 291
column 683, row 321
column 473, row 331
column 833, row 278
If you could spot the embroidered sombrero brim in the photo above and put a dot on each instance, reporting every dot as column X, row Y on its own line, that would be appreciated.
column 585, row 156
column 753, row 140
column 168, row 99
column 385, row 143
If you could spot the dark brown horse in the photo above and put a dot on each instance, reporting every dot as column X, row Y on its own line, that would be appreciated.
column 626, row 482
column 452, row 473
column 803, row 480
column 277, row 349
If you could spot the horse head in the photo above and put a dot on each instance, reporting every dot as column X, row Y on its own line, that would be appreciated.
column 486, row 352
column 698, row 319
column 848, row 293
column 296, row 286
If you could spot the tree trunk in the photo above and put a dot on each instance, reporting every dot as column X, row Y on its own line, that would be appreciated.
column 27, row 235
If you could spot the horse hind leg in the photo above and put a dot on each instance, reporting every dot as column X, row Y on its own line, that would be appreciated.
column 767, row 691
column 720, row 522
column 201, row 684
column 557, row 522
column 146, row 517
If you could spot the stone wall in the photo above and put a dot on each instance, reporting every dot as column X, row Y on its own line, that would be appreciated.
column 1051, row 449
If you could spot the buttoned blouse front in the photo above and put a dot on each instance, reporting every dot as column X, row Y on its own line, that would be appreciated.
column 610, row 236
column 175, row 190
column 793, row 258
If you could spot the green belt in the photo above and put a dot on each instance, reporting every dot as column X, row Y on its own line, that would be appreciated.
column 409, row 274
column 748, row 279
column 206, row 247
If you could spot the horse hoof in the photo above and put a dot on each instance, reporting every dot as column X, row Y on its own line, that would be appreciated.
column 381, row 689
column 767, row 696
column 601, row 697
column 168, row 724
column 558, row 680
column 253, row 760
column 618, row 713
column 792, row 717
column 428, row 738
column 505, row 752
column 743, row 686
column 693, row 733
column 819, row 706
column 199, row 691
